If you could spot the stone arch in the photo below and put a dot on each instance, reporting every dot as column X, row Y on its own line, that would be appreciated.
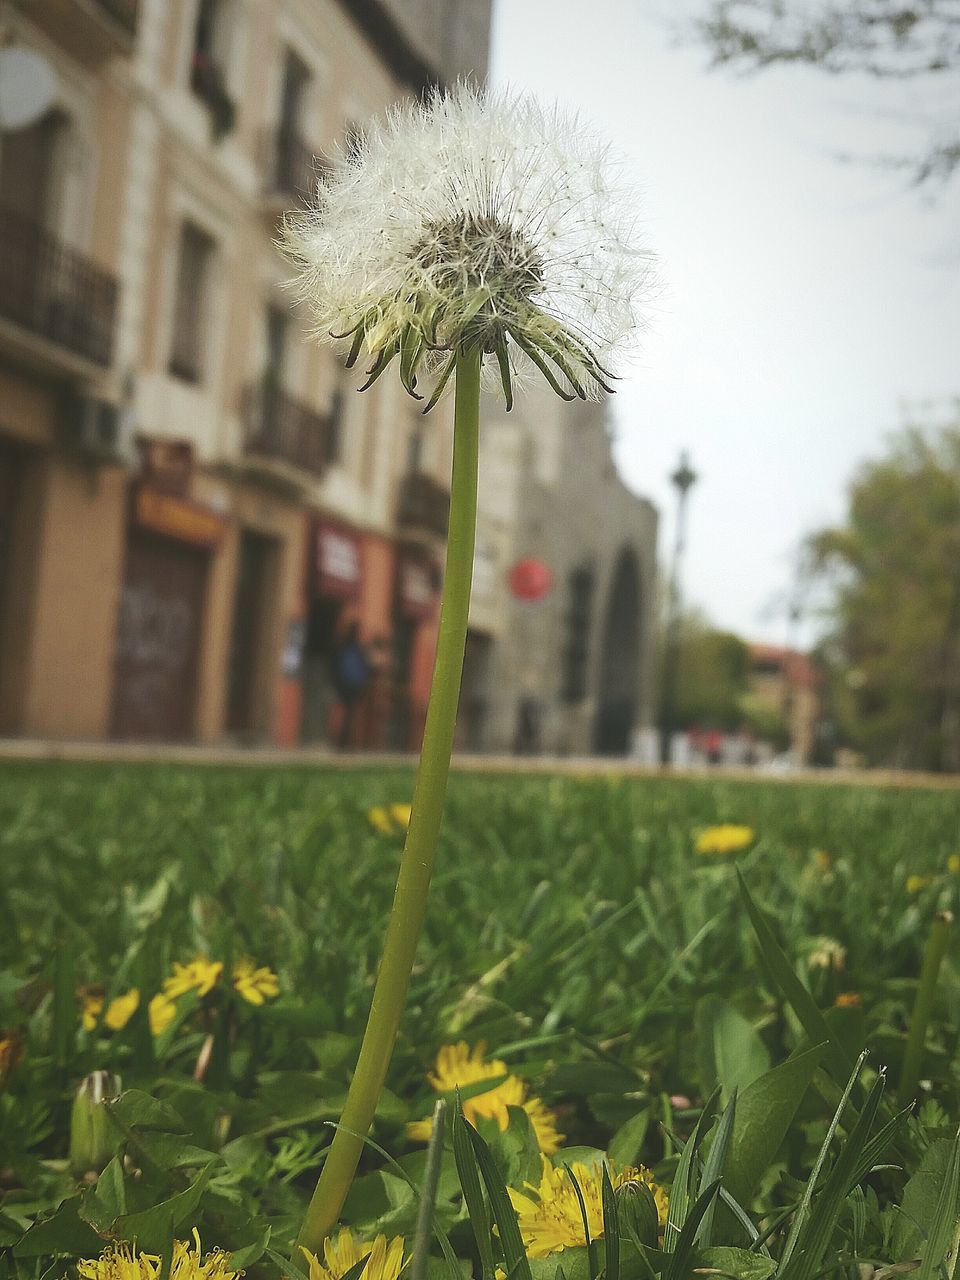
column 618, row 684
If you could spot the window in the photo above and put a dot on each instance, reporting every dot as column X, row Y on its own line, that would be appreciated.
column 333, row 453
column 207, row 62
column 189, row 308
column 580, row 598
column 29, row 164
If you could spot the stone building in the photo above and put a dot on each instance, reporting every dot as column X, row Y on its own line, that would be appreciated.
column 570, row 673
column 193, row 505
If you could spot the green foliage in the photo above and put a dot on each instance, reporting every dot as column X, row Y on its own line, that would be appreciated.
column 621, row 977
column 896, row 603
column 712, row 675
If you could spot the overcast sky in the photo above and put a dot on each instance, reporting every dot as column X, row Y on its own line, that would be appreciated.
column 804, row 299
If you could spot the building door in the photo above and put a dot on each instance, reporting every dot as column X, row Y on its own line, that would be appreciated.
column 619, row 681
column 10, row 480
column 474, row 692
column 158, row 638
column 246, row 712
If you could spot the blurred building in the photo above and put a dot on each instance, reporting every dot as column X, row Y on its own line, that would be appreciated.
column 790, row 686
column 193, row 504
column 569, row 671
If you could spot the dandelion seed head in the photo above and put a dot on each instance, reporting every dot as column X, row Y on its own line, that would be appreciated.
column 475, row 218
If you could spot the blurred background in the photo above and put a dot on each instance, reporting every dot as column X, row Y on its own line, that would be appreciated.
column 750, row 557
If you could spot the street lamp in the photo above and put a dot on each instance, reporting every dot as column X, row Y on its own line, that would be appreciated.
column 682, row 480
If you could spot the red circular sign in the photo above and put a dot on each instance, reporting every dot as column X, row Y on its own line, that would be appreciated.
column 530, row 579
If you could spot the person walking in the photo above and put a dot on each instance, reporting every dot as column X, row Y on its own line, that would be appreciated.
column 351, row 676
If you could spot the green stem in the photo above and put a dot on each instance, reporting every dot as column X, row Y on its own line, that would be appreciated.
column 923, row 1005
column 416, row 864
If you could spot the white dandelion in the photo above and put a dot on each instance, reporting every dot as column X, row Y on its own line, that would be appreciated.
column 475, row 218
column 469, row 227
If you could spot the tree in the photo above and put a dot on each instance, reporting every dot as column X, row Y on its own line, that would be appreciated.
column 711, row 676
column 891, row 40
column 894, row 574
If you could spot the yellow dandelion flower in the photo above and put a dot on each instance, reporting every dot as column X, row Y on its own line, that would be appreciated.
column 459, row 1066
column 386, row 1260
column 120, row 1011
column 550, row 1216
column 847, row 1000
column 823, row 860
column 200, row 975
column 917, row 884
column 121, row 1262
column 92, row 1009
column 726, row 838
column 400, row 813
column 256, row 985
column 953, row 864
column 544, row 1123
column 379, row 819
column 161, row 1011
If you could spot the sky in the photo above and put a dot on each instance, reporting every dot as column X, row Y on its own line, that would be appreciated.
column 807, row 305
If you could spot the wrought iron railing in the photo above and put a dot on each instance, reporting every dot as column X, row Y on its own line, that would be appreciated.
column 423, row 504
column 53, row 290
column 278, row 427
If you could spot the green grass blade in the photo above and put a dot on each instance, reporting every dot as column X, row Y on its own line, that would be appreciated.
column 514, row 1254
column 428, row 1195
column 681, row 1193
column 469, row 1175
column 678, row 1268
column 611, row 1228
column 713, row 1168
column 801, row 1001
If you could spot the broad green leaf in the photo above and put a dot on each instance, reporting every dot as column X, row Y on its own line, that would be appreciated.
column 742, row 1263
column 765, row 1111
column 942, row 1233
column 135, row 1109
column 151, row 1228
column 920, row 1199
column 626, row 1145
column 64, row 1232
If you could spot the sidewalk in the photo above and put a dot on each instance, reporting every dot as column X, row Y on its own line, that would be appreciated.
column 37, row 749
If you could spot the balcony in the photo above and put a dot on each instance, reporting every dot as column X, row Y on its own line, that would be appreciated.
column 92, row 30
column 423, row 505
column 54, row 292
column 279, row 429
column 291, row 169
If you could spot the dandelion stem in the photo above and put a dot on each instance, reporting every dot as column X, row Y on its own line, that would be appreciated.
column 416, row 864
column 936, row 949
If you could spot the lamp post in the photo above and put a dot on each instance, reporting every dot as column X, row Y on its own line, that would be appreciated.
column 682, row 480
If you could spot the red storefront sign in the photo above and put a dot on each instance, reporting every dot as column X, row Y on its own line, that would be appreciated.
column 418, row 587
column 531, row 579
column 338, row 563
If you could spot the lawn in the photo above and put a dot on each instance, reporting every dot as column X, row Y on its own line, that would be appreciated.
column 609, row 968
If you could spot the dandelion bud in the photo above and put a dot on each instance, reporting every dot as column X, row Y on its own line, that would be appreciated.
column 93, row 1139
column 639, row 1215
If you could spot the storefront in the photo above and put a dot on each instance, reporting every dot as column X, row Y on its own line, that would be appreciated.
column 334, row 586
column 416, row 600
column 170, row 542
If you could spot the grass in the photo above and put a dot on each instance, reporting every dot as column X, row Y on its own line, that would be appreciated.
column 572, row 927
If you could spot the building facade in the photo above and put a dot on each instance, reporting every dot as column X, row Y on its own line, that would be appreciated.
column 569, row 671
column 195, row 507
